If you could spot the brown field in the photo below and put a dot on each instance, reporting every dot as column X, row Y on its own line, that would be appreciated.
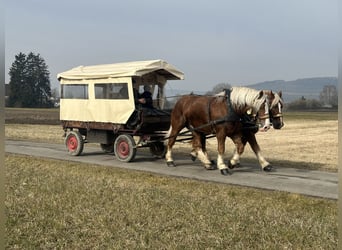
column 308, row 140
column 31, row 116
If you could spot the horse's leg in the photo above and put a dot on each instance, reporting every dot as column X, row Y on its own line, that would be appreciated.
column 172, row 134
column 193, row 154
column 204, row 149
column 235, row 160
column 240, row 144
column 265, row 165
column 221, row 139
column 194, row 150
column 197, row 145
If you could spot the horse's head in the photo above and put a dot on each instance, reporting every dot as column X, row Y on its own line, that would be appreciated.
column 265, row 104
column 263, row 116
column 272, row 110
column 254, row 103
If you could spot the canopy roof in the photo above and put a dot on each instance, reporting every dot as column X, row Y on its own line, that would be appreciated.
column 125, row 69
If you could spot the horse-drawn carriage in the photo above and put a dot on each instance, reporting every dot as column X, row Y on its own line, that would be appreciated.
column 98, row 105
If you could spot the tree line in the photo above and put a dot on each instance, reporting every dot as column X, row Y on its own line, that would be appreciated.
column 29, row 85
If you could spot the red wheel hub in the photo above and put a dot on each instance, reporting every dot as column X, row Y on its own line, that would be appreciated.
column 123, row 148
column 72, row 143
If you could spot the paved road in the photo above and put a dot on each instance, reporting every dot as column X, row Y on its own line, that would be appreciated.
column 307, row 182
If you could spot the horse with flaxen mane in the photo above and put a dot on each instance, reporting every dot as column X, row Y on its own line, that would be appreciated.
column 275, row 104
column 220, row 115
column 274, row 113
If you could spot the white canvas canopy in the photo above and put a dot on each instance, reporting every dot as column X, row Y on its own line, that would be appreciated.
column 137, row 68
column 88, row 105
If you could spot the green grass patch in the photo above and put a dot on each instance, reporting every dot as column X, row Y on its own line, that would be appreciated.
column 53, row 204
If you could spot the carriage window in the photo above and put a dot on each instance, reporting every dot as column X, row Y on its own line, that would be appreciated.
column 111, row 91
column 74, row 91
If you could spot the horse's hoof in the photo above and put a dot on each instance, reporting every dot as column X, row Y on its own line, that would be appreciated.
column 231, row 166
column 224, row 171
column 193, row 158
column 212, row 162
column 210, row 167
column 170, row 164
column 268, row 168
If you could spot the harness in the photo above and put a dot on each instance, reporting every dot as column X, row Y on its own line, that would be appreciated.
column 248, row 121
column 232, row 116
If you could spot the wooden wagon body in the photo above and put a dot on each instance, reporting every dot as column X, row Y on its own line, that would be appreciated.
column 98, row 105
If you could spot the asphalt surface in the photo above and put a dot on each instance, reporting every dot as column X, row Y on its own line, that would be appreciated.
column 300, row 181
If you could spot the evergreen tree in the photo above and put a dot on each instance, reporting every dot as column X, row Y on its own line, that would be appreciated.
column 29, row 82
column 17, row 80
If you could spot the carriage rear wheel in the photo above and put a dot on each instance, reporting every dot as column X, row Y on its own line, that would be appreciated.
column 74, row 143
column 158, row 149
column 124, row 148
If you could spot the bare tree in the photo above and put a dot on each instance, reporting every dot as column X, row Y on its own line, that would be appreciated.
column 219, row 88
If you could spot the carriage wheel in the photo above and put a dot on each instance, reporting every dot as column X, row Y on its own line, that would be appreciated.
column 107, row 148
column 158, row 149
column 74, row 143
column 124, row 148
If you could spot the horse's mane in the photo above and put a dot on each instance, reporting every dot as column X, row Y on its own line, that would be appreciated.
column 243, row 98
column 277, row 99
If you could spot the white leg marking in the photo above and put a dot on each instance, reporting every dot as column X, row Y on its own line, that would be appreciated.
column 235, row 159
column 220, row 162
column 262, row 160
column 168, row 156
column 193, row 153
column 203, row 157
column 207, row 156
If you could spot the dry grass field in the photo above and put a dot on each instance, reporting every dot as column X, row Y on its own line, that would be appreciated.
column 52, row 204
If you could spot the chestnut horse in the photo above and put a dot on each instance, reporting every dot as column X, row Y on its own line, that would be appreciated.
column 274, row 113
column 276, row 118
column 219, row 115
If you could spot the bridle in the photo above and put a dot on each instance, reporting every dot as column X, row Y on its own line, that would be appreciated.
column 269, row 115
column 266, row 116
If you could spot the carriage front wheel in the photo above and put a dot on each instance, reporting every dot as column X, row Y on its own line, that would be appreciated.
column 74, row 143
column 124, row 148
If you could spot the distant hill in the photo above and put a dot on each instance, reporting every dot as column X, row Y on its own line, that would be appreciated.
column 310, row 88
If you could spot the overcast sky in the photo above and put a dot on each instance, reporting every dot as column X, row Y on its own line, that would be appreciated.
column 220, row 41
